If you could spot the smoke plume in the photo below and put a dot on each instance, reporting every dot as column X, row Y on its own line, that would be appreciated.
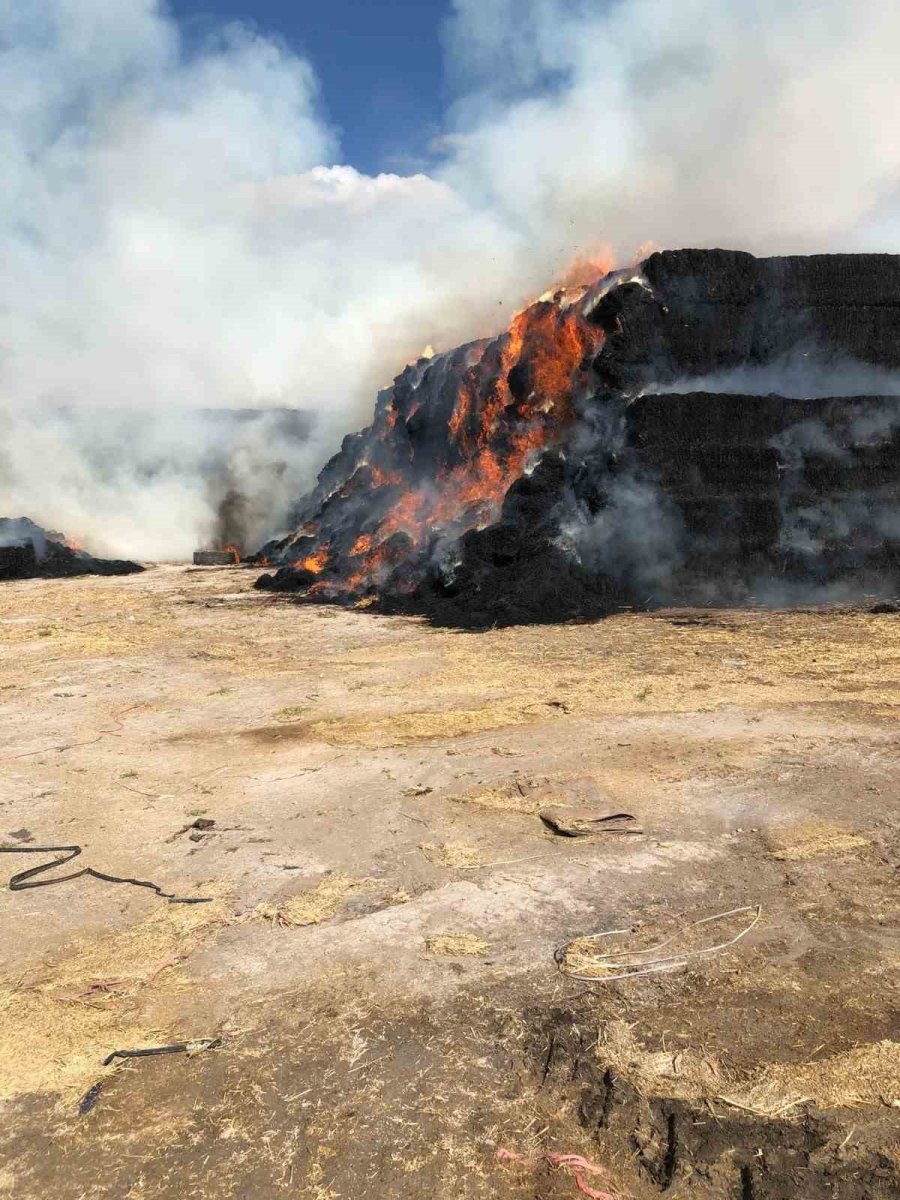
column 808, row 370
column 179, row 233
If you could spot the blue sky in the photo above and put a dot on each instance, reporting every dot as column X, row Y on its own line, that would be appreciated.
column 379, row 63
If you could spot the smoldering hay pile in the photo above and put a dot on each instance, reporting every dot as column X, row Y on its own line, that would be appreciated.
column 27, row 551
column 707, row 427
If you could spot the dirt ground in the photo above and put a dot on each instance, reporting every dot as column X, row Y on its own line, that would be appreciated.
column 382, row 954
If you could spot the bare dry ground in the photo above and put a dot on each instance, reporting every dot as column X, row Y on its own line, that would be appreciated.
column 378, row 953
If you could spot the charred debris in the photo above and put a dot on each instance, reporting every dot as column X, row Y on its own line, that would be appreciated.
column 675, row 433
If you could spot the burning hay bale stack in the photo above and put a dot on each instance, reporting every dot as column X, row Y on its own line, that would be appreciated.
column 27, row 551
column 708, row 427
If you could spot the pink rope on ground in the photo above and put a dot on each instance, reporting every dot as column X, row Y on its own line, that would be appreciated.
column 576, row 1163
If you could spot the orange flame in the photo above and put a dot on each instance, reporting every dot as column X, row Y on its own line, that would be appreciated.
column 233, row 551
column 315, row 563
column 494, row 433
column 515, row 396
column 588, row 267
column 384, row 478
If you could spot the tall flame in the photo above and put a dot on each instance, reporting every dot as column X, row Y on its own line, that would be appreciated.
column 501, row 402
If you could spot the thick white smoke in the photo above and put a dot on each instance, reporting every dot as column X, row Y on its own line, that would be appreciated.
column 751, row 124
column 178, row 232
column 171, row 240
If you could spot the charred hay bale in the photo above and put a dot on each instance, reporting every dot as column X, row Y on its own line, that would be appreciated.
column 17, row 562
column 286, row 579
column 709, row 310
column 213, row 558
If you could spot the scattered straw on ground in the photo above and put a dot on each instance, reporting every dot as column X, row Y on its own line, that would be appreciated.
column 865, row 1075
column 48, row 1044
column 811, row 839
column 580, row 959
column 683, row 1074
column 294, row 712
column 450, row 854
column 646, row 947
column 316, row 904
column 511, row 795
column 456, row 945
column 407, row 728
column 531, row 794
column 55, row 1029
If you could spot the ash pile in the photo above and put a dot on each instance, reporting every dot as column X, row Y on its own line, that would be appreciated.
column 27, row 551
column 706, row 428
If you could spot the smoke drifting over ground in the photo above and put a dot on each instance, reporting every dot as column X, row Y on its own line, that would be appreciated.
column 161, row 481
column 179, row 232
